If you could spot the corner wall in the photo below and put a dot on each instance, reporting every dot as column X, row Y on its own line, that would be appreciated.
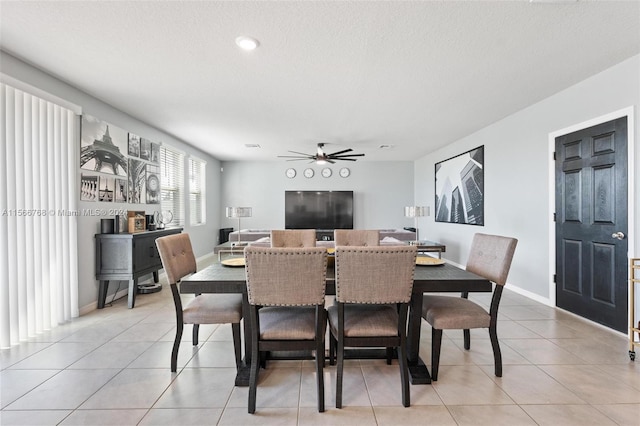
column 203, row 237
column 518, row 174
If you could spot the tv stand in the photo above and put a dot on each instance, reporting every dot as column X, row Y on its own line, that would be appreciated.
column 324, row 234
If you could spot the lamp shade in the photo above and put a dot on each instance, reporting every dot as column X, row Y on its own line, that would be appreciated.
column 416, row 211
column 238, row 211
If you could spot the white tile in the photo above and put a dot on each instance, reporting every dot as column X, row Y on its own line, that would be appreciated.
column 56, row 356
column 132, row 388
column 199, row 388
column 33, row 417
column 182, row 417
column 104, row 417
column 66, row 390
column 16, row 383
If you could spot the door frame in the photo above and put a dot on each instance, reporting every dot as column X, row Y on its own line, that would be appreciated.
column 629, row 113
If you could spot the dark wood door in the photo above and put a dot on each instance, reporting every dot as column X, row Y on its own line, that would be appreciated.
column 591, row 223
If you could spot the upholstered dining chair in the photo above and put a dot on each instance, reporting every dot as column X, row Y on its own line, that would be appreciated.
column 356, row 237
column 285, row 288
column 490, row 257
column 179, row 261
column 293, row 238
column 373, row 290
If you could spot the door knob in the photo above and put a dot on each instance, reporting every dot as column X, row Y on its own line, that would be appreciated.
column 618, row 235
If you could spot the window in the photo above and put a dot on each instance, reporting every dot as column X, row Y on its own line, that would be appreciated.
column 197, row 174
column 172, row 186
column 38, row 215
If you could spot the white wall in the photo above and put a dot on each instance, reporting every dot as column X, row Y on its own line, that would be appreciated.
column 203, row 237
column 381, row 191
column 518, row 170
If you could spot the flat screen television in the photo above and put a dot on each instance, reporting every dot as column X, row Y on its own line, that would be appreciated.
column 324, row 210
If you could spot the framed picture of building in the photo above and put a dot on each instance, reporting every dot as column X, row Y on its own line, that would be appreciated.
column 460, row 188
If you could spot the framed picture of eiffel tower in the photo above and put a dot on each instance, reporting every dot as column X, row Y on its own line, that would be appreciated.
column 103, row 147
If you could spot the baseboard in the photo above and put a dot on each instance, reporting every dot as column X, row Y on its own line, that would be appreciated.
column 536, row 297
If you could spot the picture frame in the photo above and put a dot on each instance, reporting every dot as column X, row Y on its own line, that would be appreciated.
column 103, row 147
column 459, row 188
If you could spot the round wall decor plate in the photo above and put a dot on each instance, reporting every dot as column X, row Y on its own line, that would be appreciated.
column 233, row 261
column 429, row 261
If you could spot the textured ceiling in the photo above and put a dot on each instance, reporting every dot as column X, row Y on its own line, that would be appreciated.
column 413, row 75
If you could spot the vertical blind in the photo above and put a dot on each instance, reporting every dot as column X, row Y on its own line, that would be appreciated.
column 197, row 192
column 38, row 215
column 172, row 184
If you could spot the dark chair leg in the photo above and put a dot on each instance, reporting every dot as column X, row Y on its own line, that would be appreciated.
column 404, row 375
column 467, row 339
column 497, row 355
column 176, row 346
column 237, row 343
column 332, row 350
column 436, row 343
column 389, row 355
column 320, row 374
column 339, row 373
column 253, row 376
column 196, row 328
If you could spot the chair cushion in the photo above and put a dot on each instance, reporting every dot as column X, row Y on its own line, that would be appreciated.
column 365, row 320
column 445, row 312
column 287, row 323
column 213, row 309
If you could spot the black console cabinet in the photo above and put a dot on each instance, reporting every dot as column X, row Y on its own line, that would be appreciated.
column 127, row 257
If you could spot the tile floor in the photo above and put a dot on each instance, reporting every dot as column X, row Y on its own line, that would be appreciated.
column 111, row 367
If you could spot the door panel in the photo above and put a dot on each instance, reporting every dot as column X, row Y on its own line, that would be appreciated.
column 591, row 205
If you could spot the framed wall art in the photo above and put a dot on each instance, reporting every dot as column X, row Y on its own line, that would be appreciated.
column 103, row 147
column 460, row 188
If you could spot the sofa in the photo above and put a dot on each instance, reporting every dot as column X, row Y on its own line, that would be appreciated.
column 387, row 236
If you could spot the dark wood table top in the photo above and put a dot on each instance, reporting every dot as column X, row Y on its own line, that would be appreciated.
column 218, row 278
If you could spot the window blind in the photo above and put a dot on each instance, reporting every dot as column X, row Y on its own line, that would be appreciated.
column 197, row 175
column 38, row 224
column 172, row 184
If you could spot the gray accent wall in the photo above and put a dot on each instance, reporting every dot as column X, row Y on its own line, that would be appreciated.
column 381, row 191
column 519, row 171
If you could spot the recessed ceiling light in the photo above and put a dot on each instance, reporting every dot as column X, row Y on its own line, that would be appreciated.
column 247, row 43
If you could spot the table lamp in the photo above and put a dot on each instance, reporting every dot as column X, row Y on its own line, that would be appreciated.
column 238, row 212
column 416, row 212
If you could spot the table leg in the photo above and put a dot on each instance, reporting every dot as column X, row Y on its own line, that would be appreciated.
column 244, row 370
column 418, row 371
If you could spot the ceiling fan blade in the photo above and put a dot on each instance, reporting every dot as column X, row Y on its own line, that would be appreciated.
column 347, row 155
column 295, row 156
column 340, row 152
column 330, row 161
column 345, row 159
column 302, row 153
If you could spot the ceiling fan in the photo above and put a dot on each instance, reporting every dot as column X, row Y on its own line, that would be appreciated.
column 321, row 157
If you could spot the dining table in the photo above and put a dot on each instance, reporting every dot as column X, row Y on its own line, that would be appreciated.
column 429, row 277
